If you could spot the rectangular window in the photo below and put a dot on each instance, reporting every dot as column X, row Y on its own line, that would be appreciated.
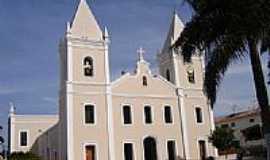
column 89, row 114
column 251, row 120
column 127, row 115
column 23, row 138
column 168, row 114
column 148, row 114
column 90, row 152
column 199, row 115
column 171, row 150
column 202, row 147
column 128, row 151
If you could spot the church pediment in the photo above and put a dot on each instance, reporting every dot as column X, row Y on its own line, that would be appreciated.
column 143, row 84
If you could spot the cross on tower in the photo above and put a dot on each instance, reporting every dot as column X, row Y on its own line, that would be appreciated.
column 141, row 51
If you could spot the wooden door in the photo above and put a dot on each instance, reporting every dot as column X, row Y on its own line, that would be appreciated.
column 90, row 153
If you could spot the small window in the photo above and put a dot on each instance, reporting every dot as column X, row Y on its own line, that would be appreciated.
column 171, row 150
column 144, row 81
column 251, row 120
column 232, row 124
column 128, row 151
column 168, row 114
column 168, row 75
column 148, row 114
column 89, row 114
column 202, row 149
column 127, row 115
column 23, row 139
column 199, row 115
column 191, row 75
column 88, row 66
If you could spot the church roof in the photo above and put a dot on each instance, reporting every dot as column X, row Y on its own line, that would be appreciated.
column 84, row 23
column 175, row 30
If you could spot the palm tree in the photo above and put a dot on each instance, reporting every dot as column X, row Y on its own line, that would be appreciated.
column 227, row 31
column 269, row 69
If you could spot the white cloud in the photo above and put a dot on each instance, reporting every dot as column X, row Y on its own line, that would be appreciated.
column 244, row 68
column 239, row 69
column 50, row 99
column 5, row 90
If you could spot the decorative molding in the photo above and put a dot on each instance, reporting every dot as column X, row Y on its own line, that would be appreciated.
column 70, row 128
column 185, row 127
column 86, row 83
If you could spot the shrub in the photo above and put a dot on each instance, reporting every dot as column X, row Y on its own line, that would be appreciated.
column 23, row 156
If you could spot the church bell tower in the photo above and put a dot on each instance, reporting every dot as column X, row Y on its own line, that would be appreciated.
column 196, row 113
column 84, row 84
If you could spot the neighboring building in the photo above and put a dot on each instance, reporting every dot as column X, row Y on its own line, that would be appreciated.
column 247, row 127
column 137, row 116
column 25, row 129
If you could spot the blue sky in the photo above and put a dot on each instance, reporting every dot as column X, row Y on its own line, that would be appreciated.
column 29, row 35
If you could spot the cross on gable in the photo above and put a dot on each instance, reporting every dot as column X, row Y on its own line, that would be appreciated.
column 141, row 51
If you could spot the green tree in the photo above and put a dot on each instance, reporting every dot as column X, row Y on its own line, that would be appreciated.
column 2, row 141
column 1, row 137
column 223, row 139
column 23, row 156
column 227, row 31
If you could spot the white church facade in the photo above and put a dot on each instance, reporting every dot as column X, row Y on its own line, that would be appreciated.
column 139, row 116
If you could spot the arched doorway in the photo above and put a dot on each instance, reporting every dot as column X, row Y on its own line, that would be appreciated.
column 150, row 148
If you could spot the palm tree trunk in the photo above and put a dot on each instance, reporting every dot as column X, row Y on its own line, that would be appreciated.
column 261, row 91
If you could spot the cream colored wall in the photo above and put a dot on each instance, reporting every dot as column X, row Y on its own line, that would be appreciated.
column 96, row 134
column 158, row 93
column 165, row 63
column 84, row 23
column 47, row 144
column 83, row 90
column 138, row 130
column 197, row 131
column 32, row 124
column 196, row 64
column 191, row 95
column 98, row 55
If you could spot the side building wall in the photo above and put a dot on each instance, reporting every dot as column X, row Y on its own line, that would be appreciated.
column 33, row 125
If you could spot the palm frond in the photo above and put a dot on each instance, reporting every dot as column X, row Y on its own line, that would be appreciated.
column 222, row 28
column 222, row 55
column 268, row 65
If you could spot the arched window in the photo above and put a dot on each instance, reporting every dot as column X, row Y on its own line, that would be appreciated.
column 191, row 75
column 150, row 148
column 144, row 81
column 88, row 66
column 168, row 75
